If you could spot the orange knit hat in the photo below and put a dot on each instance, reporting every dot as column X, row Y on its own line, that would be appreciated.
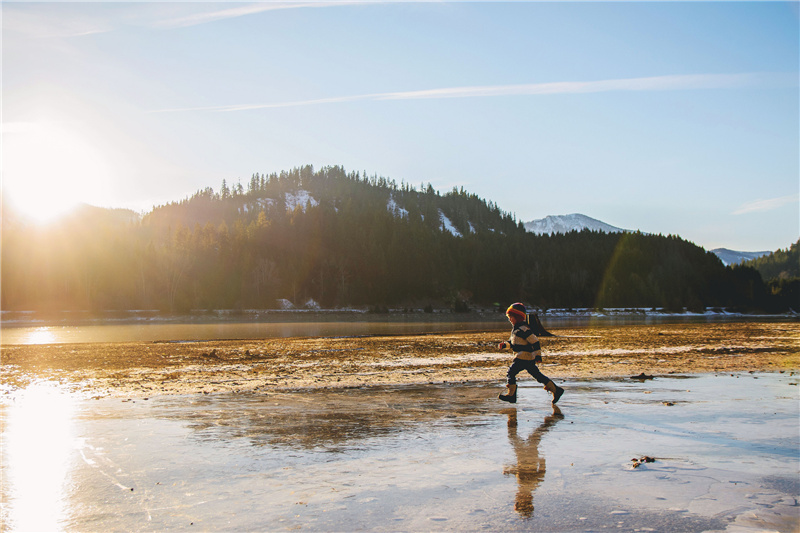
column 518, row 310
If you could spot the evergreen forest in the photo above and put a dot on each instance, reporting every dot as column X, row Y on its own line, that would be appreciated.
column 345, row 239
column 781, row 271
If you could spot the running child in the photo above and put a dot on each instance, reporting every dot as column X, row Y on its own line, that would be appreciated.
column 527, row 352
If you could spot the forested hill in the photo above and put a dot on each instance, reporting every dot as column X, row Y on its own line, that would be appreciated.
column 331, row 190
column 344, row 239
column 781, row 264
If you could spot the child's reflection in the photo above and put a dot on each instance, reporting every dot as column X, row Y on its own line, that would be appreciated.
column 530, row 467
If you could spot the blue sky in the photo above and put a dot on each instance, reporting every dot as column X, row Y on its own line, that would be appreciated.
column 673, row 118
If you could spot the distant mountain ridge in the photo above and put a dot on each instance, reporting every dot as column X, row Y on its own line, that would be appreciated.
column 564, row 224
column 732, row 257
column 567, row 223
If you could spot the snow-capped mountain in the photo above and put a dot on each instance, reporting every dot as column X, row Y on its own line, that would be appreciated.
column 732, row 257
column 566, row 223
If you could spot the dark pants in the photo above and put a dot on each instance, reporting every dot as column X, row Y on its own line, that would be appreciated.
column 521, row 364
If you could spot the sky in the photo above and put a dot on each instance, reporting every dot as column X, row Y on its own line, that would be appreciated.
column 677, row 118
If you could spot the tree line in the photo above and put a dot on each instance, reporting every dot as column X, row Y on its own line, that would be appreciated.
column 347, row 239
column 781, row 271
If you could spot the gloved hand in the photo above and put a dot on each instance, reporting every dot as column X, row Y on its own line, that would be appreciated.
column 537, row 359
column 503, row 345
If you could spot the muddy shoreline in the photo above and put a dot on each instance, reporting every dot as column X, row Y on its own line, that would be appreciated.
column 144, row 369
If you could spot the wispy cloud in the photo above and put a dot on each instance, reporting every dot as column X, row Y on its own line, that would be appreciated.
column 59, row 21
column 242, row 11
column 767, row 205
column 656, row 83
column 50, row 24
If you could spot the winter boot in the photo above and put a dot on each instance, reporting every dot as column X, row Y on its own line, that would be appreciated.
column 511, row 397
column 555, row 390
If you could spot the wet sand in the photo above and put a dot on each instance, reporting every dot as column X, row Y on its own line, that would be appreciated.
column 144, row 369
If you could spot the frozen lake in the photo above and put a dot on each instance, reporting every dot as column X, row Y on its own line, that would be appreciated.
column 444, row 457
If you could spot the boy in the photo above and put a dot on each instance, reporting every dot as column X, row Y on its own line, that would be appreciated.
column 527, row 352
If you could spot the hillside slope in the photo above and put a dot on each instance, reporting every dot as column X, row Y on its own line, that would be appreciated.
column 342, row 239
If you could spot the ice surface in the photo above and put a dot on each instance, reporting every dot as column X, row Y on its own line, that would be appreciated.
column 445, row 457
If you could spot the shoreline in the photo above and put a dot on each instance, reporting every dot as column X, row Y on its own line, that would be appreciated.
column 146, row 369
column 19, row 319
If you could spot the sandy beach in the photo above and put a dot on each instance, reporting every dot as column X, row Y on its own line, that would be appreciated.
column 144, row 369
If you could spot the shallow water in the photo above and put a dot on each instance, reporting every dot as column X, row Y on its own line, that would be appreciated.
column 60, row 334
column 25, row 328
column 445, row 457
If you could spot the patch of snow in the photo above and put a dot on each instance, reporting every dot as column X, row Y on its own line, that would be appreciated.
column 395, row 209
column 632, row 312
column 312, row 304
column 300, row 198
column 283, row 303
column 447, row 225
column 471, row 228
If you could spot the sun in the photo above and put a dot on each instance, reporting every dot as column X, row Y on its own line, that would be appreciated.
column 49, row 167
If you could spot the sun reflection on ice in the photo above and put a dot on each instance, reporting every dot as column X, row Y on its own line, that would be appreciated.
column 37, row 442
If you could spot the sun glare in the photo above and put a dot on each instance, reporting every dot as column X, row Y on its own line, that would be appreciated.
column 49, row 168
column 42, row 335
column 38, row 447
